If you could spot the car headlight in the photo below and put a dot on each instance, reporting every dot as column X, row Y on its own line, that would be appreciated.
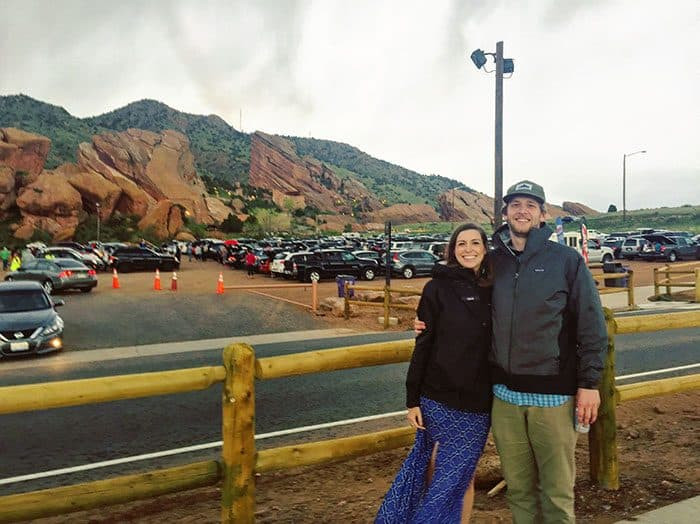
column 54, row 327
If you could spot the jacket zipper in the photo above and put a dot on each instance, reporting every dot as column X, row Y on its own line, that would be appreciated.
column 512, row 315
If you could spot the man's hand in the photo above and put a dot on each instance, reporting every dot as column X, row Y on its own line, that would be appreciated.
column 418, row 326
column 415, row 417
column 587, row 403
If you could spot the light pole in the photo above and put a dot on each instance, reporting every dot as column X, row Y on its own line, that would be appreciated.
column 624, row 182
column 97, row 206
column 503, row 65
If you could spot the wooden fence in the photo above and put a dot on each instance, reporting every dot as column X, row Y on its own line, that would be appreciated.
column 257, row 287
column 604, row 289
column 239, row 459
column 387, row 304
column 668, row 276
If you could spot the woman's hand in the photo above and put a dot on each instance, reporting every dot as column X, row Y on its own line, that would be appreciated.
column 415, row 418
column 418, row 326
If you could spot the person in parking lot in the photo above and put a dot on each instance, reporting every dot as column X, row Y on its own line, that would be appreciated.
column 5, row 257
column 448, row 392
column 15, row 261
column 549, row 337
column 250, row 263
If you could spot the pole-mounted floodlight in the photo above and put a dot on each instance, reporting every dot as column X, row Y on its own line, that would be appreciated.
column 507, row 66
column 624, row 183
column 479, row 58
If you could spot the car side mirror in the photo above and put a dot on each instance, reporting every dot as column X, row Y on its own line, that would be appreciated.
column 59, row 302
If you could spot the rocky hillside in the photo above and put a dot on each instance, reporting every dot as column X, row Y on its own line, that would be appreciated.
column 137, row 172
column 221, row 153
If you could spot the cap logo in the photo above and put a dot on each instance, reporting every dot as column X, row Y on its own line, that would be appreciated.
column 522, row 186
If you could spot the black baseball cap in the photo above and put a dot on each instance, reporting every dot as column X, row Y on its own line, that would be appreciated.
column 525, row 188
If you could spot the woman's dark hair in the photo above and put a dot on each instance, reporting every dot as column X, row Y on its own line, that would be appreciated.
column 484, row 273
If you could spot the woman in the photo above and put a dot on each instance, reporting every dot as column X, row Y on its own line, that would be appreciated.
column 15, row 261
column 448, row 393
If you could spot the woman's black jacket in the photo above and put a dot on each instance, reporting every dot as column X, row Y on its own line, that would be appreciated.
column 450, row 359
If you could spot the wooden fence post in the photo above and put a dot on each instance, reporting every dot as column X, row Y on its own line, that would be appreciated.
column 387, row 300
column 602, row 438
column 657, row 291
column 668, row 279
column 697, row 284
column 314, row 296
column 238, row 432
column 630, row 289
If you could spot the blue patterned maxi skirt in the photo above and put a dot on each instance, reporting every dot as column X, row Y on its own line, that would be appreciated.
column 462, row 436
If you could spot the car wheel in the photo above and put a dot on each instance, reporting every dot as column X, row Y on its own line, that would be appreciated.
column 85, row 289
column 9, row 279
column 369, row 274
column 314, row 276
column 48, row 286
column 407, row 272
column 608, row 258
column 672, row 257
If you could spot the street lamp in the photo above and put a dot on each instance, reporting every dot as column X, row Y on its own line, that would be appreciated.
column 624, row 183
column 503, row 65
column 97, row 206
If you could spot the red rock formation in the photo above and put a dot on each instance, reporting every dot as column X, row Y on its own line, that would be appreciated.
column 275, row 166
column 51, row 204
column 22, row 151
column 577, row 209
column 7, row 188
column 165, row 219
column 405, row 213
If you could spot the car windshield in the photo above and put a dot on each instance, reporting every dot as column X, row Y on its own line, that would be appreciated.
column 23, row 300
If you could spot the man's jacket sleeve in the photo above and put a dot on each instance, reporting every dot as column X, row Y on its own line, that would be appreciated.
column 427, row 312
column 591, row 331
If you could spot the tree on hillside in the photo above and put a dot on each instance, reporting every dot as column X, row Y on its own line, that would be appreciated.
column 232, row 224
column 263, row 221
column 612, row 208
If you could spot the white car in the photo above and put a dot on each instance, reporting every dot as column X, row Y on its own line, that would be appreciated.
column 596, row 252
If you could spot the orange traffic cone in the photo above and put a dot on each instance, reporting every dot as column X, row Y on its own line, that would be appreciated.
column 220, row 285
column 115, row 279
column 173, row 282
column 156, row 282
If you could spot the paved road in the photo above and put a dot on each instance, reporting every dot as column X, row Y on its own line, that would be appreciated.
column 85, row 434
column 120, row 319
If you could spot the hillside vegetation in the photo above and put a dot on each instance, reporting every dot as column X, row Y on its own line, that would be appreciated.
column 222, row 154
column 391, row 183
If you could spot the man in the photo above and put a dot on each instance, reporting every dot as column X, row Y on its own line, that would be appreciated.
column 5, row 257
column 549, row 337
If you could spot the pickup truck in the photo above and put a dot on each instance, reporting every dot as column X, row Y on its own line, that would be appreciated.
column 329, row 263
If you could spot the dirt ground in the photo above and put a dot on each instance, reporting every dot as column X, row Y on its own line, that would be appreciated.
column 659, row 452
column 659, row 444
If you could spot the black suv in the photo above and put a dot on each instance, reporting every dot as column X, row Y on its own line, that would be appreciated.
column 141, row 258
column 329, row 263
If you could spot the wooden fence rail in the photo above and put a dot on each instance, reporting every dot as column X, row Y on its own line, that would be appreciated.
column 668, row 281
column 240, row 461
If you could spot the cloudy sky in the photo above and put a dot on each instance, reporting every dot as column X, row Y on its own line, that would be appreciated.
column 594, row 79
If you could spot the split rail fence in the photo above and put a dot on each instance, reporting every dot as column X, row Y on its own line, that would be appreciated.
column 239, row 459
column 668, row 276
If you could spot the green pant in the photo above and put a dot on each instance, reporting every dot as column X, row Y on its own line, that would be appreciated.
column 536, row 446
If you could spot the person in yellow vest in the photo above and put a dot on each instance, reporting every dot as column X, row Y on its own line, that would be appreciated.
column 15, row 261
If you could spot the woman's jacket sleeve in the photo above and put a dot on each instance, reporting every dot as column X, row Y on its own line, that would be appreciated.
column 428, row 313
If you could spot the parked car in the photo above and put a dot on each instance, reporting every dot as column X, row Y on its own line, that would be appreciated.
column 329, row 263
column 29, row 323
column 373, row 255
column 596, row 251
column 56, row 274
column 412, row 263
column 88, row 259
column 616, row 245
column 632, row 246
column 669, row 248
column 142, row 258
column 285, row 264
